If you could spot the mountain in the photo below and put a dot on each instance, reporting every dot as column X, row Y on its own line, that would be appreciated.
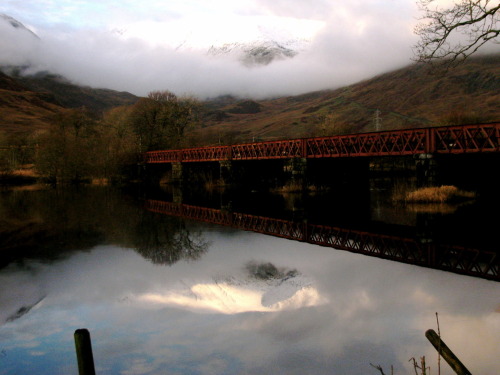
column 28, row 103
column 70, row 95
column 16, row 24
column 254, row 43
column 414, row 96
column 257, row 53
column 23, row 110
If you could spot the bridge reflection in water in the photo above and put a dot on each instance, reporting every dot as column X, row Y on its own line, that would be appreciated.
column 452, row 258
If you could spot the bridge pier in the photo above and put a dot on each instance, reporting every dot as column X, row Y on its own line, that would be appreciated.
column 296, row 171
column 444, row 143
column 427, row 171
column 226, row 175
column 177, row 173
column 177, row 195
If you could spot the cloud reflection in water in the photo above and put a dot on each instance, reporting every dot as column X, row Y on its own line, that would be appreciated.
column 336, row 314
column 232, row 297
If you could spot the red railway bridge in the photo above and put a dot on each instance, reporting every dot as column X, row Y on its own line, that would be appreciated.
column 307, row 160
column 452, row 258
column 462, row 139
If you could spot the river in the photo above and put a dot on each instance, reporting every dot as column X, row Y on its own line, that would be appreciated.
column 163, row 294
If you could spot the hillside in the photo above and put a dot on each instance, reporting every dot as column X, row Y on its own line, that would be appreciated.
column 413, row 96
column 22, row 110
column 70, row 95
column 28, row 103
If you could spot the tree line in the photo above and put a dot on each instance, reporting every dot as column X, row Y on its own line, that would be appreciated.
column 51, row 224
column 80, row 145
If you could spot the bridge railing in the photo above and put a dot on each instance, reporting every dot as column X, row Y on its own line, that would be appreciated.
column 401, row 142
column 466, row 138
column 268, row 150
column 448, row 139
column 211, row 153
column 165, row 156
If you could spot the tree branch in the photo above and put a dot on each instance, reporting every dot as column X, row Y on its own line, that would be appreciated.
column 476, row 20
column 378, row 368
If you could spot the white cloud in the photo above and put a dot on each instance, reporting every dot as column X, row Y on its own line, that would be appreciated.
column 127, row 46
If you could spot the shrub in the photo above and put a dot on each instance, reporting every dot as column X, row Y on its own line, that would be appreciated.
column 439, row 194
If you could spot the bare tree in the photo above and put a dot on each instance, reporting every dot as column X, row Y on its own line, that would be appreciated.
column 161, row 119
column 450, row 35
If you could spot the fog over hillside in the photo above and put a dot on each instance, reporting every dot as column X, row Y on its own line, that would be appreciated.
column 250, row 48
column 334, row 47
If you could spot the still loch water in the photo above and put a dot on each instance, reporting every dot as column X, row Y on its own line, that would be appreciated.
column 162, row 294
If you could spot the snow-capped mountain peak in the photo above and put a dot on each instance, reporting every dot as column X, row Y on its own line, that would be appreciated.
column 16, row 24
column 248, row 40
column 258, row 52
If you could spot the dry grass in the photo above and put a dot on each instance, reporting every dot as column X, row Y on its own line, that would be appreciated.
column 100, row 181
column 291, row 187
column 296, row 187
column 212, row 185
column 25, row 175
column 165, row 180
column 27, row 170
column 432, row 208
column 441, row 194
column 33, row 187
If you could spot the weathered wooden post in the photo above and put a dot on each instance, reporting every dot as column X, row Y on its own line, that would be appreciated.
column 447, row 354
column 84, row 355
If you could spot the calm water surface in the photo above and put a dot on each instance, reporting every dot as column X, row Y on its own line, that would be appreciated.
column 164, row 295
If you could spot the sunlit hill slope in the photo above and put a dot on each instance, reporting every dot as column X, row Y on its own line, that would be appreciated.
column 414, row 96
column 29, row 103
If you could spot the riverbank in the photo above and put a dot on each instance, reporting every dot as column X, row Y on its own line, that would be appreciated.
column 25, row 175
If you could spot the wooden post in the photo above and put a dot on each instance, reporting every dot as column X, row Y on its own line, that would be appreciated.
column 447, row 354
column 84, row 355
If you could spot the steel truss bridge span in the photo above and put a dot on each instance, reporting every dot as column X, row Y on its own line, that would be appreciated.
column 456, row 259
column 462, row 139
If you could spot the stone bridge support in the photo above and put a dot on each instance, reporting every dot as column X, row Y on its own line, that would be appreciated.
column 177, row 194
column 296, row 171
column 226, row 174
column 177, row 173
column 427, row 171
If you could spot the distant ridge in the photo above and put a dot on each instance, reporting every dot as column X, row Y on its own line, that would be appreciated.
column 28, row 103
column 256, row 53
column 22, row 110
column 16, row 24
column 70, row 95
column 410, row 97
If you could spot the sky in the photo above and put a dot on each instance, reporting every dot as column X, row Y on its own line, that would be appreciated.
column 147, row 45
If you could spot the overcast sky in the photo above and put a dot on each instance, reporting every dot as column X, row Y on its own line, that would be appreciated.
column 146, row 45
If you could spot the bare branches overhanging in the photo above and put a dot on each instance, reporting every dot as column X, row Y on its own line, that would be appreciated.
column 450, row 35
